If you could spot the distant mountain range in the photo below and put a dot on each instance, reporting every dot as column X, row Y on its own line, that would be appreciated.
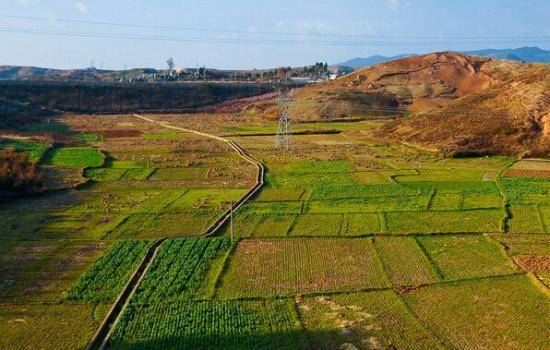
column 525, row 54
column 359, row 62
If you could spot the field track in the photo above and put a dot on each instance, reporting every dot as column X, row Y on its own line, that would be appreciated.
column 103, row 333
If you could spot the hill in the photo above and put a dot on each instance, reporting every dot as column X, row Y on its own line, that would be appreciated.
column 460, row 104
column 511, row 117
column 88, row 74
column 396, row 87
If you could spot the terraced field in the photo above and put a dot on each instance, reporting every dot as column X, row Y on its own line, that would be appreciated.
column 351, row 243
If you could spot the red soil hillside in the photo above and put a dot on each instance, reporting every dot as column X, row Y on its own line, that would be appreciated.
column 409, row 84
column 512, row 117
column 459, row 104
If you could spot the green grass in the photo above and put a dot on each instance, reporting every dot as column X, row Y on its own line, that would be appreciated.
column 302, row 167
column 446, row 201
column 317, row 225
column 84, row 137
column 198, row 198
column 372, row 320
column 178, row 271
column 429, row 222
column 307, row 180
column 35, row 149
column 498, row 313
column 51, row 127
column 75, row 157
column 525, row 219
column 142, row 225
column 466, row 256
column 105, row 174
column 261, row 225
column 369, row 204
column 466, row 187
column 359, row 224
column 279, row 195
column 442, row 175
column 234, row 324
column 106, row 278
column 274, row 208
column 346, row 191
column 404, row 261
column 175, row 174
column 526, row 191
column 137, row 174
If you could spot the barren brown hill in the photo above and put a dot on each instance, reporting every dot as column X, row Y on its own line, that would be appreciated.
column 511, row 117
column 405, row 85
column 457, row 103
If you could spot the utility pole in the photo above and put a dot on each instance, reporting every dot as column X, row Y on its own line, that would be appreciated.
column 282, row 139
column 231, row 222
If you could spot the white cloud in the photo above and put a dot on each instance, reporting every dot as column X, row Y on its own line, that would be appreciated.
column 393, row 4
column 280, row 24
column 81, row 7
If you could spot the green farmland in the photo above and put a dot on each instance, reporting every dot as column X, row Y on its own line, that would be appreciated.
column 349, row 244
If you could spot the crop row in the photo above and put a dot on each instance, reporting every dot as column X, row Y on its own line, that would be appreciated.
column 329, row 264
column 108, row 275
column 309, row 265
column 234, row 324
column 180, row 270
column 497, row 313
column 371, row 320
column 119, row 174
column 280, row 220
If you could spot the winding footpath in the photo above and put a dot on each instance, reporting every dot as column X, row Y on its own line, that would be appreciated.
column 101, row 337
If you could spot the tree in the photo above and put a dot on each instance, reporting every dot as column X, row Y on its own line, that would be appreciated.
column 18, row 174
column 170, row 63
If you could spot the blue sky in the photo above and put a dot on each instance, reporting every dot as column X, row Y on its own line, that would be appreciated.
column 441, row 20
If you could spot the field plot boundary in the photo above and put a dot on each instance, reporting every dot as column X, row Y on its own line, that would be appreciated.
column 107, row 327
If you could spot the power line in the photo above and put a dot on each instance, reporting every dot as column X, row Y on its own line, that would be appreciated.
column 333, row 35
column 205, row 39
column 197, row 39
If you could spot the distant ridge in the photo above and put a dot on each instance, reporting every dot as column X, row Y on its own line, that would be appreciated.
column 359, row 62
column 522, row 54
column 525, row 54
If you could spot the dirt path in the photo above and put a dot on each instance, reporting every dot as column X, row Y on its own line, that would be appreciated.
column 107, row 327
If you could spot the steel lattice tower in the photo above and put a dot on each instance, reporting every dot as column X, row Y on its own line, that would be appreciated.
column 282, row 140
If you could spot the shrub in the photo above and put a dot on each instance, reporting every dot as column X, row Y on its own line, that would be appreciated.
column 18, row 174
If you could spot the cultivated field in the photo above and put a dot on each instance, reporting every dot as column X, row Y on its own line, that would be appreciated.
column 352, row 243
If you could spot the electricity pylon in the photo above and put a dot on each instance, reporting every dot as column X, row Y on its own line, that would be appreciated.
column 282, row 140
